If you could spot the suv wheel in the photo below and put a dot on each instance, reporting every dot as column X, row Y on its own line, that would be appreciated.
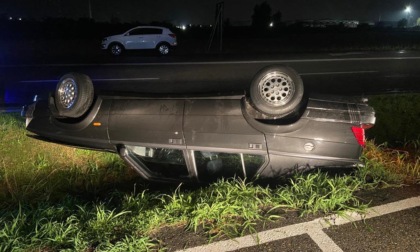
column 73, row 95
column 276, row 91
column 116, row 49
column 163, row 49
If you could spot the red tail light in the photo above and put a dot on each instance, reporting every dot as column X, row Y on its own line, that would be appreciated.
column 359, row 133
column 172, row 35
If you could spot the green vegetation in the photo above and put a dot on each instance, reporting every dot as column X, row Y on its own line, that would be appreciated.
column 54, row 197
column 398, row 119
column 396, row 135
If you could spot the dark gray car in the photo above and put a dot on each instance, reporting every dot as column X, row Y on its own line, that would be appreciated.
column 267, row 133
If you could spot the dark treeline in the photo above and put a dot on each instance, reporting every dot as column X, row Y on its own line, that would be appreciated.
column 281, row 38
column 61, row 28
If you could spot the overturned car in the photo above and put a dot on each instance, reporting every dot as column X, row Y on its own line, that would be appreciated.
column 270, row 131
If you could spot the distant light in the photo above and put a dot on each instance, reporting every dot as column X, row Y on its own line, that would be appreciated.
column 271, row 24
column 407, row 9
column 20, row 19
column 10, row 18
column 182, row 27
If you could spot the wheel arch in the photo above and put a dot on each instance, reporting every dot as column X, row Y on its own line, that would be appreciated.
column 115, row 43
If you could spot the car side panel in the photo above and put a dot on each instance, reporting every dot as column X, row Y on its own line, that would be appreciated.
column 220, row 124
column 292, row 164
column 90, row 132
column 311, row 141
column 146, row 122
column 326, row 139
column 314, row 144
column 131, row 42
column 141, row 41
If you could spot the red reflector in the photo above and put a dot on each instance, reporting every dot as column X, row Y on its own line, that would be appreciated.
column 359, row 134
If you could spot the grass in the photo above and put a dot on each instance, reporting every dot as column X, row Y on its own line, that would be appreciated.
column 398, row 166
column 56, row 198
column 31, row 169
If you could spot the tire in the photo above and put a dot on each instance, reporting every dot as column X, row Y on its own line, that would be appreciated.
column 116, row 49
column 277, row 91
column 163, row 48
column 73, row 95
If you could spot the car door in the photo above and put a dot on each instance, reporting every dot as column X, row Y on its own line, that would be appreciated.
column 221, row 141
column 148, row 134
column 141, row 38
column 146, row 121
column 132, row 39
column 152, row 37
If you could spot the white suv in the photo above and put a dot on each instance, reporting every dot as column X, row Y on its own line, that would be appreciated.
column 141, row 37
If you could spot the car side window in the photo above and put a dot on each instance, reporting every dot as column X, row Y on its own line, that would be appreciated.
column 252, row 164
column 163, row 162
column 153, row 31
column 213, row 165
column 145, row 31
column 136, row 32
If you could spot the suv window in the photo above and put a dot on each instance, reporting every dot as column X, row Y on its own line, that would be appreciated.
column 169, row 163
column 213, row 165
column 146, row 31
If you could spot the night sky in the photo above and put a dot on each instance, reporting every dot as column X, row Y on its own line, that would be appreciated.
column 203, row 11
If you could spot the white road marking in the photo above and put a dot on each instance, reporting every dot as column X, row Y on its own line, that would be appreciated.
column 94, row 80
column 128, row 79
column 324, row 242
column 38, row 81
column 312, row 228
column 156, row 78
column 330, row 73
column 221, row 62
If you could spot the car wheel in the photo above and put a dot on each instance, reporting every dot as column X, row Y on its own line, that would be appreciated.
column 276, row 91
column 73, row 95
column 116, row 49
column 163, row 49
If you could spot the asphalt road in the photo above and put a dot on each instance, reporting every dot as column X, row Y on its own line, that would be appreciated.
column 342, row 74
column 390, row 224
